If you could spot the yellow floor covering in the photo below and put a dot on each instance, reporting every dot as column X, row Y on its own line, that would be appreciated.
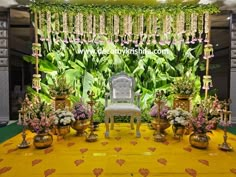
column 122, row 155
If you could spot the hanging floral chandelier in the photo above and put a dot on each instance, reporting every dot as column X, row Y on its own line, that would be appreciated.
column 123, row 24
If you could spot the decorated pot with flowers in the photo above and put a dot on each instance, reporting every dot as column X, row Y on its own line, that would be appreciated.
column 62, row 122
column 183, row 87
column 164, row 123
column 40, row 119
column 178, row 118
column 59, row 90
column 200, row 126
column 81, row 116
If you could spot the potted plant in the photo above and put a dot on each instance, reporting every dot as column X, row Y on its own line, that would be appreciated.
column 40, row 119
column 183, row 87
column 81, row 115
column 59, row 90
column 178, row 118
column 200, row 126
column 63, row 120
column 212, row 108
column 164, row 123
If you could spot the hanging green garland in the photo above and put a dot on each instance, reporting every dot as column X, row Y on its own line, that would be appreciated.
column 122, row 23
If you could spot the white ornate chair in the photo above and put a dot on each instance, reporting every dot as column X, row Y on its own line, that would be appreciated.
column 122, row 102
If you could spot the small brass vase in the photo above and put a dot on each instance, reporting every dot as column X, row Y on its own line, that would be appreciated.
column 80, row 126
column 63, row 130
column 179, row 131
column 199, row 140
column 42, row 140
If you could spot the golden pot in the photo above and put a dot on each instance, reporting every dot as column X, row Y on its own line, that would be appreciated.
column 80, row 126
column 63, row 130
column 199, row 140
column 42, row 140
column 164, row 124
column 178, row 131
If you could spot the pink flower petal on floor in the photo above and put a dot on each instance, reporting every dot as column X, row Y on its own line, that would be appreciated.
column 133, row 142
column 7, row 144
column 120, row 161
column 188, row 149
column 117, row 149
column 191, row 172
column 205, row 162
column 166, row 143
column 49, row 172
column 70, row 144
column 117, row 138
column 83, row 150
column 48, row 150
column 152, row 149
column 97, row 171
column 233, row 170
column 12, row 150
column 4, row 170
column 78, row 162
column 146, row 138
column 104, row 143
column 144, row 172
column 162, row 161
column 36, row 161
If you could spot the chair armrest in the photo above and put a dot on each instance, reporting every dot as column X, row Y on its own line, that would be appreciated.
column 138, row 95
column 106, row 99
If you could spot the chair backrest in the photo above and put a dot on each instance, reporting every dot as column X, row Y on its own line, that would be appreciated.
column 122, row 88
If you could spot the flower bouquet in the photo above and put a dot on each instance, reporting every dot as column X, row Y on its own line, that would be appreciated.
column 81, row 115
column 59, row 87
column 183, row 86
column 179, row 119
column 200, row 126
column 40, row 116
column 63, row 119
column 40, row 119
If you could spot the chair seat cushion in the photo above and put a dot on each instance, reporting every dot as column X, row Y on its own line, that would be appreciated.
column 122, row 109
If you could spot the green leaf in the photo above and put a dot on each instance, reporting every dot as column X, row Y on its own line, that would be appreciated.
column 87, row 84
column 29, row 58
column 46, row 66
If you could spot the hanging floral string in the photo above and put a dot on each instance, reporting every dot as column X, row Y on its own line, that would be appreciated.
column 116, row 27
column 193, row 27
column 48, row 38
column 206, row 29
column 180, row 22
column 200, row 27
column 65, row 27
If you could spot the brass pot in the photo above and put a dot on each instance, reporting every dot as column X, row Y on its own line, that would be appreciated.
column 42, row 140
column 178, row 131
column 63, row 130
column 199, row 140
column 80, row 126
column 164, row 124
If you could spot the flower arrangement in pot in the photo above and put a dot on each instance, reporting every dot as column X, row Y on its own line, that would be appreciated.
column 60, row 87
column 40, row 119
column 200, row 126
column 63, row 120
column 178, row 118
column 59, row 90
column 81, row 115
column 212, row 108
column 164, row 123
column 183, row 87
